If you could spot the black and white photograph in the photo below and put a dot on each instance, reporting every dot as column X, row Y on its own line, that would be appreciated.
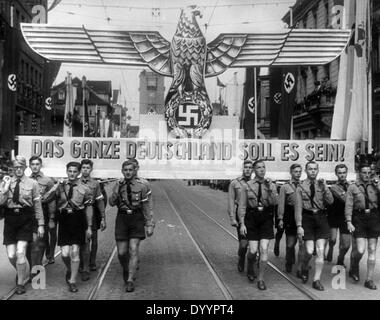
column 190, row 154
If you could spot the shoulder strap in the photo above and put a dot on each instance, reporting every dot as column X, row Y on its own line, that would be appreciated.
column 67, row 198
column 123, row 200
column 309, row 196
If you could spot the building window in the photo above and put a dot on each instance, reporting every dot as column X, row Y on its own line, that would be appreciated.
column 326, row 70
column 304, row 81
column 27, row 72
column 314, row 71
column 152, row 83
column 267, row 107
column 327, row 11
column 61, row 95
column 315, row 18
column 17, row 18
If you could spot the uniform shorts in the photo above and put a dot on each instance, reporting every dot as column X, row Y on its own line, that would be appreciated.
column 129, row 226
column 259, row 225
column 315, row 226
column 240, row 236
column 72, row 228
column 289, row 221
column 338, row 222
column 18, row 227
column 366, row 225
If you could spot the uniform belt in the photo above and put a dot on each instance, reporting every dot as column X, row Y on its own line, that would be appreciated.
column 68, row 210
column 260, row 209
column 365, row 211
column 129, row 211
column 19, row 211
column 314, row 211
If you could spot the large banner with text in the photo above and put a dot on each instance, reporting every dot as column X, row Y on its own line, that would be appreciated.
column 186, row 159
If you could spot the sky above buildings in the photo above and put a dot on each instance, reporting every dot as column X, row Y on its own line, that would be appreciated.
column 221, row 16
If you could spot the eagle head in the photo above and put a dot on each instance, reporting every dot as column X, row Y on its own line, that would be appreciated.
column 194, row 11
column 187, row 25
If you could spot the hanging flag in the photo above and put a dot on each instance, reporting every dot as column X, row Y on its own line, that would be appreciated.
column 248, row 118
column 69, row 108
column 345, row 81
column 275, row 91
column 350, row 120
column 97, row 122
column 220, row 83
column 357, row 128
column 106, row 127
column 288, row 99
column 86, row 120
column 86, row 96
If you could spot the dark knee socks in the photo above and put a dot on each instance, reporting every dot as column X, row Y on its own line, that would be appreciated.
column 290, row 255
column 242, row 251
column 306, row 259
column 355, row 259
column 124, row 261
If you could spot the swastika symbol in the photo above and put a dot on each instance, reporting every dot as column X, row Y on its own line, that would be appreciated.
column 289, row 82
column 48, row 103
column 188, row 115
column 277, row 97
column 12, row 82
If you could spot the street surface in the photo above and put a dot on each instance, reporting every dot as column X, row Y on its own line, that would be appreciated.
column 192, row 255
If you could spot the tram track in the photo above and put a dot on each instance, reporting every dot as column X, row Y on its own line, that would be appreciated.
column 12, row 292
column 283, row 275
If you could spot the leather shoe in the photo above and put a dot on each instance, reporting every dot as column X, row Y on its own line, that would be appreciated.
column 93, row 267
column 261, row 285
column 85, row 276
column 68, row 276
column 354, row 276
column 288, row 267
column 251, row 277
column 51, row 261
column 20, row 289
column 241, row 263
column 305, row 276
column 73, row 287
column 317, row 285
column 370, row 285
column 130, row 286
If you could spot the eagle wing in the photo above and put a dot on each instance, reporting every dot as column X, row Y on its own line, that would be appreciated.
column 96, row 46
column 295, row 47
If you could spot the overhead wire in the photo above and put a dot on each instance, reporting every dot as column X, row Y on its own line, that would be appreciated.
column 180, row 7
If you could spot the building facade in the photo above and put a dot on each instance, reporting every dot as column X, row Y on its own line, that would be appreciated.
column 26, row 78
column 317, row 85
column 152, row 93
column 99, row 107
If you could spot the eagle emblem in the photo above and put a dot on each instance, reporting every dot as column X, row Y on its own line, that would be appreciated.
column 188, row 58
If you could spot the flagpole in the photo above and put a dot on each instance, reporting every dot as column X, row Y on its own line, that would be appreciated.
column 369, row 87
column 83, row 103
column 255, row 93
